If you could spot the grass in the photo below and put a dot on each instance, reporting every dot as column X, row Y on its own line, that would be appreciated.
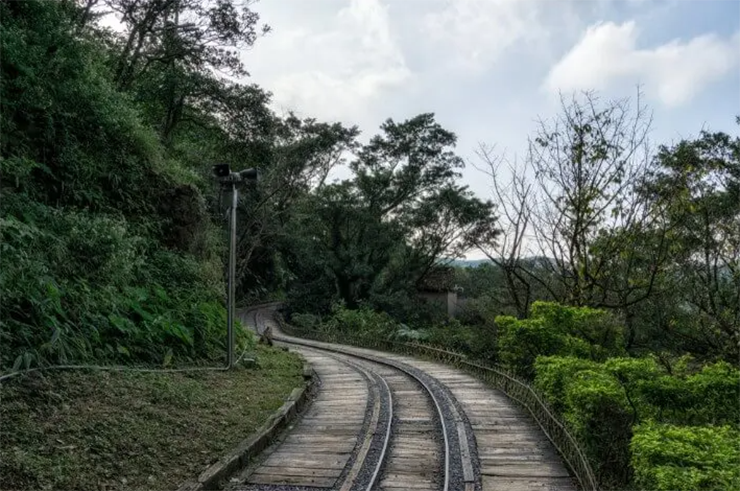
column 115, row 431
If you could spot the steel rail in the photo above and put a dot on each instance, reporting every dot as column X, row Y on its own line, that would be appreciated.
column 387, row 437
column 400, row 368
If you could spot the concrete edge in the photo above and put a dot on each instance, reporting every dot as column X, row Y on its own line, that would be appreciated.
column 238, row 458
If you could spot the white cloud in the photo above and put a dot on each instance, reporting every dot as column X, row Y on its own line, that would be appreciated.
column 480, row 31
column 334, row 71
column 673, row 73
column 476, row 34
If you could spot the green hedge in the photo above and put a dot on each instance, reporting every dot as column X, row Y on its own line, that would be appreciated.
column 554, row 329
column 604, row 402
column 686, row 458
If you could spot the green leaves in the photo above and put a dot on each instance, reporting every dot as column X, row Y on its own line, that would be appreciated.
column 686, row 458
column 696, row 189
column 603, row 401
column 554, row 329
column 381, row 231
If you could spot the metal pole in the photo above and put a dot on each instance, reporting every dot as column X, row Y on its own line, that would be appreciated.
column 232, row 279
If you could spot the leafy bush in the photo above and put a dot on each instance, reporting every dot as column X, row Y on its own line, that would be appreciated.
column 478, row 341
column 708, row 397
column 73, row 290
column 477, row 311
column 554, row 329
column 363, row 323
column 407, row 334
column 600, row 402
column 408, row 308
column 451, row 335
column 686, row 458
column 94, row 267
column 597, row 401
column 306, row 321
column 554, row 373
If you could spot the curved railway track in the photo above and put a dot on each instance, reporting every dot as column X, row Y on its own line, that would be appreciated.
column 386, row 422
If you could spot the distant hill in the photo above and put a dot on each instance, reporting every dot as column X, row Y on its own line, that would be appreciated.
column 474, row 263
column 468, row 263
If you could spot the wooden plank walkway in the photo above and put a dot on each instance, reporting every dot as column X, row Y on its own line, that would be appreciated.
column 514, row 453
column 317, row 450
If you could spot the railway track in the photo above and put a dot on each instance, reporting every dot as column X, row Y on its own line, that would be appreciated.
column 387, row 422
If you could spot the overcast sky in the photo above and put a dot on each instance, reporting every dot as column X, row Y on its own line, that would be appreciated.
column 489, row 68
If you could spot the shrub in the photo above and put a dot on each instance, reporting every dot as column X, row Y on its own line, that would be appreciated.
column 554, row 373
column 709, row 396
column 363, row 323
column 478, row 342
column 406, row 334
column 554, row 329
column 600, row 402
column 306, row 321
column 78, row 287
column 598, row 412
column 686, row 458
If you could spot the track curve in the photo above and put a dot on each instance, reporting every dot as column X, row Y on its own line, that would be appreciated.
column 489, row 444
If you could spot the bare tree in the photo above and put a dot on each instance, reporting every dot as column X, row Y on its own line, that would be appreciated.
column 574, row 206
column 514, row 203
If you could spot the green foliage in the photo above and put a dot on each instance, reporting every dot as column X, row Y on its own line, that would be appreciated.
column 306, row 321
column 598, row 411
column 477, row 342
column 597, row 402
column 360, row 323
column 603, row 401
column 554, row 373
column 406, row 334
column 554, row 329
column 107, row 254
column 708, row 397
column 377, row 234
column 696, row 186
column 78, row 286
column 686, row 458
column 82, row 141
column 479, row 311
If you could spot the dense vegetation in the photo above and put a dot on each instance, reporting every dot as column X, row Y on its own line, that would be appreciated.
column 613, row 286
column 613, row 280
column 111, row 229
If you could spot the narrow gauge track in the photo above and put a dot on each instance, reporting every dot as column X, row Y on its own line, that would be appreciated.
column 492, row 445
column 333, row 447
column 456, row 464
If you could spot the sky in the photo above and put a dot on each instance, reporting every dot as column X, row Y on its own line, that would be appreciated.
column 489, row 69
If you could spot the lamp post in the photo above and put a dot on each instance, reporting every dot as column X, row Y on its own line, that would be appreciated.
column 229, row 179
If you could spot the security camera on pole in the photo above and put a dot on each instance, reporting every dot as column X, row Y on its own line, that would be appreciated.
column 229, row 179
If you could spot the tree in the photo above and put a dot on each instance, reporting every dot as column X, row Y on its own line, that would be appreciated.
column 171, row 50
column 507, row 251
column 696, row 187
column 295, row 162
column 199, row 34
column 402, row 212
column 574, row 205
